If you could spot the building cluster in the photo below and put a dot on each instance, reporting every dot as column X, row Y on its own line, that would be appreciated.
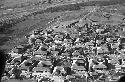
column 82, row 50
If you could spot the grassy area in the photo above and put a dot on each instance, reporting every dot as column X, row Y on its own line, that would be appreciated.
column 19, row 3
column 23, row 28
column 14, row 80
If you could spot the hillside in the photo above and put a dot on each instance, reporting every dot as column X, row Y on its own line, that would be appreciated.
column 9, row 36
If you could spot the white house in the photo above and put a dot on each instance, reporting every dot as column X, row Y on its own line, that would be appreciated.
column 41, row 71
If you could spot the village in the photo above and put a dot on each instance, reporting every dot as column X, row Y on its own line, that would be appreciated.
column 86, row 50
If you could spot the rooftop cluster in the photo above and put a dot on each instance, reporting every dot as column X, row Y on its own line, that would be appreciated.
column 88, row 49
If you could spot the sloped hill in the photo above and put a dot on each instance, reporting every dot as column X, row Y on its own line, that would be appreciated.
column 19, row 30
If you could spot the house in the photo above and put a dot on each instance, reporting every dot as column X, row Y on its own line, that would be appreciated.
column 79, row 70
column 32, row 38
column 8, row 67
column 115, row 46
column 38, row 41
column 40, row 64
column 27, row 54
column 38, row 56
column 44, row 79
column 76, row 53
column 40, row 52
column 43, row 47
column 24, row 73
column 67, row 63
column 77, row 79
column 55, row 53
column 58, row 68
column 47, row 63
column 25, row 64
column 41, row 71
column 80, row 62
column 58, row 37
column 48, row 40
column 66, row 54
column 99, row 42
column 89, row 44
column 102, row 50
column 118, row 67
column 16, row 60
column 122, row 56
column 99, row 30
column 67, row 41
column 15, row 70
column 99, row 67
column 35, row 58
column 19, row 47
column 52, row 47
column 57, row 79
column 15, row 50
column 114, row 61
column 81, row 23
column 14, row 53
column 114, row 78
column 94, row 73
column 74, row 59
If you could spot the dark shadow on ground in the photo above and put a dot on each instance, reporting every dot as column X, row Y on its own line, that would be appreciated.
column 5, row 30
